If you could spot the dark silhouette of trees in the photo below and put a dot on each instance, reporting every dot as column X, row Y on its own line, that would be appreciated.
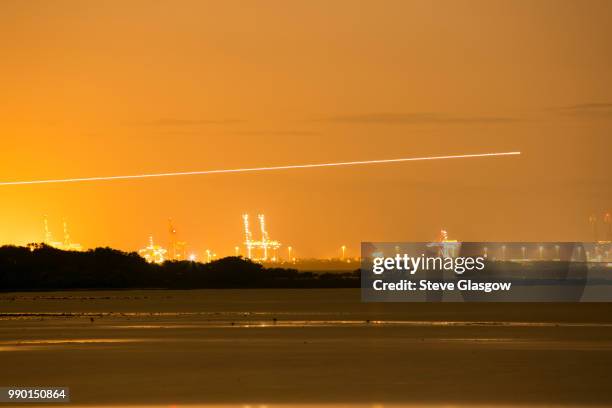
column 41, row 267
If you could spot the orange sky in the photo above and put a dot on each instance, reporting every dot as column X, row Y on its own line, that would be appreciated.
column 122, row 87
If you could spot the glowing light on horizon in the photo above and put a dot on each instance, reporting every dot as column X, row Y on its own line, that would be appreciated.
column 256, row 169
column 153, row 253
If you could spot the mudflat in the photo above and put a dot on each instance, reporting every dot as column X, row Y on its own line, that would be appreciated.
column 308, row 347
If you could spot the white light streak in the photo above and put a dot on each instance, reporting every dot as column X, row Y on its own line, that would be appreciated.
column 256, row 169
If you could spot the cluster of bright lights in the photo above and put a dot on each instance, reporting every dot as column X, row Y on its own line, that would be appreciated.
column 153, row 253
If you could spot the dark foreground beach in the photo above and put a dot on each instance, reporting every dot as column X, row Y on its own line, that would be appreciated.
column 307, row 347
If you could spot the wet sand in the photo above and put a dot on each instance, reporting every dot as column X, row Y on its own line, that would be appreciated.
column 312, row 347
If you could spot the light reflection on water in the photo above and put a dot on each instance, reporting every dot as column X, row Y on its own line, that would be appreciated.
column 336, row 405
column 110, row 332
column 71, row 341
column 44, row 344
column 244, row 319
column 332, row 323
column 486, row 342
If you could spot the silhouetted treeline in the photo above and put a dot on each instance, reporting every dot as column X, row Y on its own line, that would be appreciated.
column 40, row 267
column 320, row 265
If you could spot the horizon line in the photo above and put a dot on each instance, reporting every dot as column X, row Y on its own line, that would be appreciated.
column 255, row 169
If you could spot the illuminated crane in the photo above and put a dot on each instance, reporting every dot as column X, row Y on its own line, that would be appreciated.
column 68, row 245
column 177, row 248
column 248, row 238
column 48, row 237
column 265, row 244
column 66, row 234
column 65, row 245
column 264, row 236
column 153, row 253
column 448, row 247
column 172, row 232
column 593, row 222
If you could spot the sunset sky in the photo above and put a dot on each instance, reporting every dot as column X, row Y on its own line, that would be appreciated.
column 129, row 87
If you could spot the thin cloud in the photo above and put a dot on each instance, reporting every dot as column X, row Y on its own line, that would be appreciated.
column 587, row 110
column 276, row 133
column 414, row 119
column 176, row 122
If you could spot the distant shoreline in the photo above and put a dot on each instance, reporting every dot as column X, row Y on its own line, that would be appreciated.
column 40, row 267
column 50, row 290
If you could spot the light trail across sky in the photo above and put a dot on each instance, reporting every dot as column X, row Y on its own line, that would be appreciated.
column 256, row 169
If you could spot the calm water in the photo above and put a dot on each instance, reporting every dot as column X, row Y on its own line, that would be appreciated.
column 312, row 347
